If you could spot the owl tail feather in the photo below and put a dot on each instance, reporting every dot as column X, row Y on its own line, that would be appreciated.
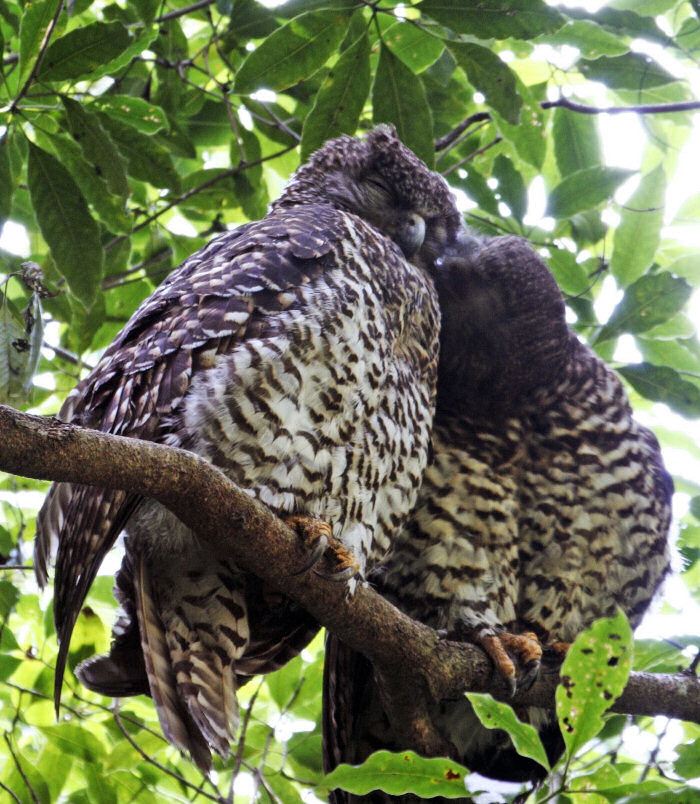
column 176, row 722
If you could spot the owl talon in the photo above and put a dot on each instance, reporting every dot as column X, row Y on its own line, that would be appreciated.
column 347, row 565
column 511, row 653
column 314, row 533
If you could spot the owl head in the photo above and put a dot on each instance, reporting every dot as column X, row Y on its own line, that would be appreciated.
column 383, row 182
column 504, row 333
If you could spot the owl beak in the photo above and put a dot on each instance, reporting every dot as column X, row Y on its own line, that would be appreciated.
column 410, row 234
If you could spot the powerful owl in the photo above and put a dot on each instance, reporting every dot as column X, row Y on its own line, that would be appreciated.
column 299, row 354
column 546, row 506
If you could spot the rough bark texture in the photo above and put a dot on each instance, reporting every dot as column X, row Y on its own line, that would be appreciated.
column 205, row 500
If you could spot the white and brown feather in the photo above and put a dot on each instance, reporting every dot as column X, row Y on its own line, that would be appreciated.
column 546, row 506
column 299, row 354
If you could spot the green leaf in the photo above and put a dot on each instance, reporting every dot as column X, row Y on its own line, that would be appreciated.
column 17, row 356
column 593, row 676
column 663, row 384
column 66, row 224
column 649, row 301
column 98, row 148
column 631, row 71
column 592, row 40
column 136, row 112
column 146, row 160
column 8, row 598
column 576, row 141
column 491, row 76
column 398, row 97
column 109, row 208
column 584, row 189
column 571, row 276
column 400, row 773
column 511, row 186
column 530, row 140
column 494, row 19
column 75, row 741
column 340, row 99
column 292, row 53
column 495, row 715
column 36, row 18
column 416, row 48
column 79, row 52
column 283, row 683
column 6, row 185
column 638, row 233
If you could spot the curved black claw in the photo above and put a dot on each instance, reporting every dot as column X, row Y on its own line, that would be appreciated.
column 314, row 557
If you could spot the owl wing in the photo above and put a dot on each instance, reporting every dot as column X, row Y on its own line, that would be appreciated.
column 204, row 307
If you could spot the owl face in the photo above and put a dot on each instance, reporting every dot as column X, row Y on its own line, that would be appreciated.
column 383, row 182
column 504, row 332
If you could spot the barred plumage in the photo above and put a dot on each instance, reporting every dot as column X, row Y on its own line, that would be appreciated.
column 299, row 354
column 546, row 506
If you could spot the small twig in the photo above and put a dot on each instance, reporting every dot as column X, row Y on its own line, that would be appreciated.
column 471, row 156
column 32, row 791
column 227, row 174
column 451, row 136
column 180, row 12
column 40, row 56
column 6, row 567
column 653, row 108
column 13, row 794
column 155, row 763
column 654, row 753
column 244, row 729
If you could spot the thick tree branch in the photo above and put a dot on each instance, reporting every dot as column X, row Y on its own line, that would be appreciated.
column 205, row 500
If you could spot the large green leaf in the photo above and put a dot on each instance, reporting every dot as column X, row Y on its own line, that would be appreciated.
column 494, row 19
column 576, row 141
column 638, row 234
column 416, row 48
column 109, row 208
column 495, row 715
column 146, row 160
column 630, row 71
column 663, row 384
column 400, row 773
column 593, row 676
column 584, row 189
column 490, row 76
column 136, row 112
column 293, row 52
column 97, row 146
column 35, row 21
column 530, row 140
column 66, row 224
column 79, row 52
column 649, row 301
column 340, row 99
column 398, row 97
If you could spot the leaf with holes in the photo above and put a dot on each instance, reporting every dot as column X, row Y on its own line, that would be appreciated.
column 400, row 773
column 592, row 678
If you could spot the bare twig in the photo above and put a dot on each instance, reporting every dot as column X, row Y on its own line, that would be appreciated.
column 40, row 57
column 471, row 156
column 181, row 12
column 18, row 765
column 654, row 108
column 450, row 137
column 155, row 763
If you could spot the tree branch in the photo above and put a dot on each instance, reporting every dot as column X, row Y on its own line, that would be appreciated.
column 653, row 108
column 404, row 650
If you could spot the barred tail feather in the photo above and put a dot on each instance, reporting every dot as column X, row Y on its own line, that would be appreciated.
column 175, row 721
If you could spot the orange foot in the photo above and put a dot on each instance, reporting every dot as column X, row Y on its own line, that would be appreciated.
column 516, row 656
column 316, row 535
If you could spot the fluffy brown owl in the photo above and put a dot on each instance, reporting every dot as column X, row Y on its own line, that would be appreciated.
column 299, row 354
column 546, row 506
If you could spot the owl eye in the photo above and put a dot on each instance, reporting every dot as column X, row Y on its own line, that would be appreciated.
column 377, row 184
